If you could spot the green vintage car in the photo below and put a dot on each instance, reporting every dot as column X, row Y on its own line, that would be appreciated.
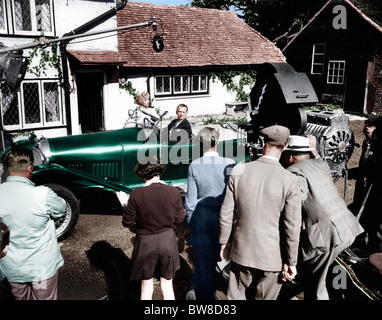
column 106, row 160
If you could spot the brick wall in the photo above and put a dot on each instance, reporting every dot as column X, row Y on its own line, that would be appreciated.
column 374, row 97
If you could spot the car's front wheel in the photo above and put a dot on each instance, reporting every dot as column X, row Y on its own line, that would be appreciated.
column 66, row 224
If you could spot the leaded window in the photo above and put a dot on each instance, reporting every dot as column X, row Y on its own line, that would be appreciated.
column 181, row 84
column 162, row 85
column 37, row 103
column 30, row 17
column 3, row 24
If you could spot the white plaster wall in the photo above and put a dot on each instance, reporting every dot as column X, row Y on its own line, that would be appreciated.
column 117, row 101
column 211, row 103
column 115, row 106
column 71, row 14
column 73, row 104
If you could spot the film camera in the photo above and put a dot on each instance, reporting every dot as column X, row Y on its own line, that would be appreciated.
column 281, row 96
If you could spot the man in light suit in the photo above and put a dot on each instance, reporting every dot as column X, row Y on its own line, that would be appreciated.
column 179, row 130
column 328, row 227
column 260, row 222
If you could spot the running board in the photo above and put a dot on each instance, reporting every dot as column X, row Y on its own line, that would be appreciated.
column 355, row 280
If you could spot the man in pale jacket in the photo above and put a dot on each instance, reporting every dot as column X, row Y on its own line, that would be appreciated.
column 33, row 259
column 328, row 226
column 260, row 222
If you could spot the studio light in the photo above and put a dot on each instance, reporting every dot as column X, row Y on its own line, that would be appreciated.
column 13, row 67
column 157, row 43
column 157, row 34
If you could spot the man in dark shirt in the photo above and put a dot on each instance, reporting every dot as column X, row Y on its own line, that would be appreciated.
column 179, row 130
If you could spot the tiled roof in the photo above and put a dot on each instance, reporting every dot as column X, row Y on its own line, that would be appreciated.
column 97, row 57
column 194, row 37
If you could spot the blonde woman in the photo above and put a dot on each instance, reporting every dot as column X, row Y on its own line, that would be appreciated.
column 144, row 116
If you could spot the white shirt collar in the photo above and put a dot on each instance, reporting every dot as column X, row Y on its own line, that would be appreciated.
column 211, row 154
column 270, row 157
column 154, row 181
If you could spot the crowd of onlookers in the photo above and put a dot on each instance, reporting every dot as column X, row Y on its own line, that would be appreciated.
column 271, row 218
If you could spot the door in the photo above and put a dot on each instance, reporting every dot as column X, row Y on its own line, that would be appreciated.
column 355, row 86
column 90, row 101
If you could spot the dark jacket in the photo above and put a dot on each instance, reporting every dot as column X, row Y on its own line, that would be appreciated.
column 154, row 208
column 181, row 134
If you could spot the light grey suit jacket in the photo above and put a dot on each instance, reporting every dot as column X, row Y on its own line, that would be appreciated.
column 260, row 217
column 326, row 220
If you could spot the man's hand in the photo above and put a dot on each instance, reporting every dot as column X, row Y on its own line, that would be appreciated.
column 288, row 272
column 186, row 232
column 368, row 131
column 313, row 144
column 222, row 251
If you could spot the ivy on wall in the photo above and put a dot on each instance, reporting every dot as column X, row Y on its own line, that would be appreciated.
column 47, row 58
column 128, row 86
column 228, row 79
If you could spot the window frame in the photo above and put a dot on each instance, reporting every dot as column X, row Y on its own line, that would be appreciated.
column 42, row 107
column 190, row 91
column 199, row 81
column 33, row 17
column 4, row 4
column 17, row 126
column 181, row 83
column 60, row 106
column 22, row 100
column 164, row 93
column 335, row 72
column 314, row 57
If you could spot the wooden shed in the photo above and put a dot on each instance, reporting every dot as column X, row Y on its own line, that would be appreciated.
column 340, row 49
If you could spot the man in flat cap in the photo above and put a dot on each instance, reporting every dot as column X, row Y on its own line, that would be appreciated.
column 260, row 222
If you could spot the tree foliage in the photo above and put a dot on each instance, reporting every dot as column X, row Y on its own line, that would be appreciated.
column 271, row 18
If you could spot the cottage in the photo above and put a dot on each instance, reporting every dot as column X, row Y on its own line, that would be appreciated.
column 92, row 89
column 197, row 41
column 340, row 49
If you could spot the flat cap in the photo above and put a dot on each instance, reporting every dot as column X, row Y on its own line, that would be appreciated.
column 276, row 133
